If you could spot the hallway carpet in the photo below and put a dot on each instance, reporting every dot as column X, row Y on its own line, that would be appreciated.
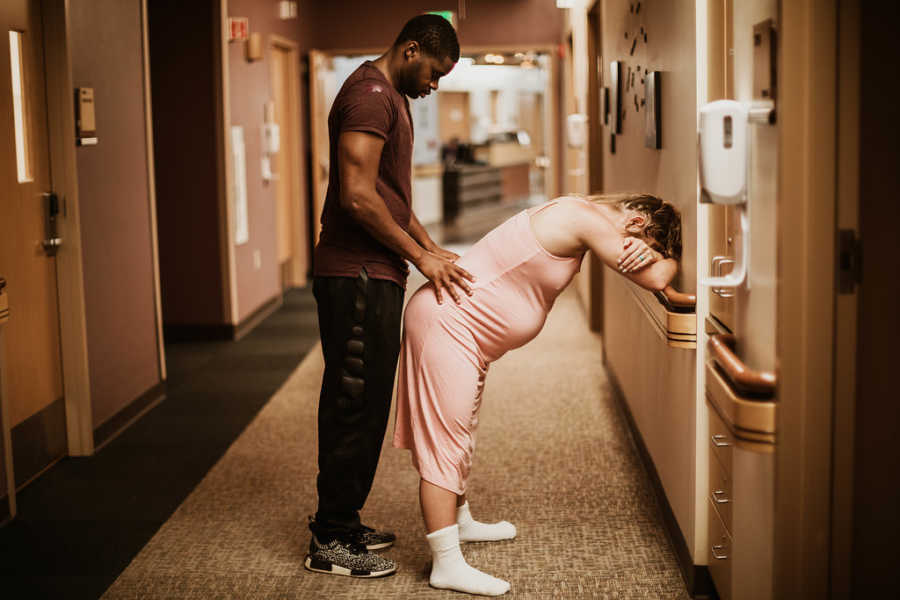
column 553, row 457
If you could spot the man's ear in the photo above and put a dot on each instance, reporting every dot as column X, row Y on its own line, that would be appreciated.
column 411, row 49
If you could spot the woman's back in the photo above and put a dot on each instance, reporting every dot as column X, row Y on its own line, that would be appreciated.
column 517, row 281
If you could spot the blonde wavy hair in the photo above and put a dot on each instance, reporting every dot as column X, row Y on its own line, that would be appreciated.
column 662, row 231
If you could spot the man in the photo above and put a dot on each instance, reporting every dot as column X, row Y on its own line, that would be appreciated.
column 368, row 234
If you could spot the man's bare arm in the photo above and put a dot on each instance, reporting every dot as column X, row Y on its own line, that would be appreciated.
column 359, row 155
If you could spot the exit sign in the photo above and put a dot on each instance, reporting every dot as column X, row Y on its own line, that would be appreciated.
column 238, row 29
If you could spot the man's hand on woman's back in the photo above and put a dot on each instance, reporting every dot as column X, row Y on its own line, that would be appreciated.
column 444, row 274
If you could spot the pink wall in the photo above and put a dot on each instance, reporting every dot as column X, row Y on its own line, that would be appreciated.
column 105, row 38
column 249, row 91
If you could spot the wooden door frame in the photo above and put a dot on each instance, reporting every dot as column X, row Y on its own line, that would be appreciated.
column 69, row 267
column 224, row 171
column 551, row 113
column 298, row 208
column 807, row 175
column 151, row 192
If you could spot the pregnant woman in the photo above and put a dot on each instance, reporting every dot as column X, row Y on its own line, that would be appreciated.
column 520, row 268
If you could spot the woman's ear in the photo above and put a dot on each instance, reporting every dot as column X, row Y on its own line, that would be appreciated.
column 636, row 223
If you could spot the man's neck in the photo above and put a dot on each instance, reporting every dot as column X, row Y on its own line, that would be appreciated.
column 387, row 63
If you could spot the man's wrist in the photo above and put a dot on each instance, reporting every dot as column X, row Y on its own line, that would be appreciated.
column 417, row 255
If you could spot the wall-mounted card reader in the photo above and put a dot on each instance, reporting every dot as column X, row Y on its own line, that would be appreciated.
column 85, row 120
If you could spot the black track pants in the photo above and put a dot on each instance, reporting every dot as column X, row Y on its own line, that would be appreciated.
column 359, row 324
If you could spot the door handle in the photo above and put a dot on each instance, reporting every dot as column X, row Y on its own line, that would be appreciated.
column 719, row 497
column 53, row 241
column 717, row 552
column 717, row 263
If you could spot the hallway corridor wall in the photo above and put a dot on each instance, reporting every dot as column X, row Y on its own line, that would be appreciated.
column 658, row 382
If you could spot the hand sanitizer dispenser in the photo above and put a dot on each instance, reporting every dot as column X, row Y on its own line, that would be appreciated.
column 723, row 152
column 724, row 160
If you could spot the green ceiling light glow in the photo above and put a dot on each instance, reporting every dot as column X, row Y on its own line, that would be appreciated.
column 447, row 14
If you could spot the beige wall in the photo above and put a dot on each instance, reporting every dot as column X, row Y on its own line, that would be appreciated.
column 106, row 52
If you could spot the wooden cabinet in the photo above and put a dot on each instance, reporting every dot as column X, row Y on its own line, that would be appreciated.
column 466, row 186
column 740, row 495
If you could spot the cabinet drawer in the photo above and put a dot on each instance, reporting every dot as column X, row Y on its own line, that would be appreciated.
column 721, row 439
column 719, row 554
column 720, row 490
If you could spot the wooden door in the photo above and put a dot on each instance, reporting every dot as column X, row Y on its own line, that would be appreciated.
column 33, row 372
column 290, row 210
column 319, row 105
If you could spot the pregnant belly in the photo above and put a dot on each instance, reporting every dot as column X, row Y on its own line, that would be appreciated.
column 499, row 327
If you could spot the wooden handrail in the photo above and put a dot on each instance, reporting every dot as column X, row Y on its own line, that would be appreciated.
column 744, row 379
column 681, row 299
column 676, row 301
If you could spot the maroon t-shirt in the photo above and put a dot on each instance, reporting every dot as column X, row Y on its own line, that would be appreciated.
column 367, row 102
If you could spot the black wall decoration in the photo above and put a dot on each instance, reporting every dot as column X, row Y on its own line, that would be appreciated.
column 633, row 86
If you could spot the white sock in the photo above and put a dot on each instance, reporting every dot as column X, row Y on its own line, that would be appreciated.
column 471, row 530
column 451, row 571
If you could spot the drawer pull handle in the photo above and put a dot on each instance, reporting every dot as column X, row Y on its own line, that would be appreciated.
column 717, row 552
column 720, row 441
column 719, row 497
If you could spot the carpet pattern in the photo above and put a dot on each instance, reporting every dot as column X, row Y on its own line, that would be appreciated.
column 552, row 457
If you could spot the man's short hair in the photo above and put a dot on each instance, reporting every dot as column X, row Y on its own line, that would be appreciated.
column 434, row 34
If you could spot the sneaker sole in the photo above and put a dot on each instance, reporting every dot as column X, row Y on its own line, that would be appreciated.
column 319, row 566
column 380, row 546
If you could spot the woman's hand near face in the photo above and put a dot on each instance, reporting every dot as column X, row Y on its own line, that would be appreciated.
column 636, row 254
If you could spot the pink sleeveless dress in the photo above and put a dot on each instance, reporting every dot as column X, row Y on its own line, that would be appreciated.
column 447, row 348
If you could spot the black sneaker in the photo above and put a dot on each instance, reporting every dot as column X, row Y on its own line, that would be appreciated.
column 347, row 558
column 375, row 540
